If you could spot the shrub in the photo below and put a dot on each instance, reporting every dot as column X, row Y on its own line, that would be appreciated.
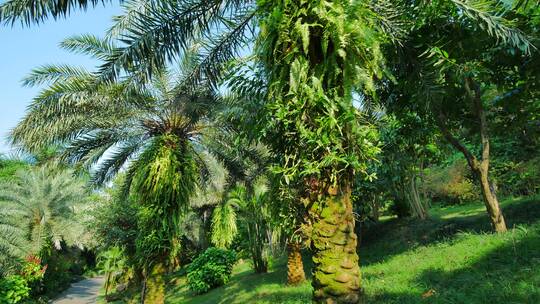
column 210, row 269
column 32, row 272
column 13, row 289
column 57, row 278
column 451, row 184
column 517, row 178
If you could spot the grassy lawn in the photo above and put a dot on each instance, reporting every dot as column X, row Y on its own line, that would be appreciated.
column 449, row 258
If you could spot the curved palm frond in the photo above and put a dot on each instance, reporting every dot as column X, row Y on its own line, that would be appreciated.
column 489, row 15
column 37, row 11
column 163, row 31
column 89, row 45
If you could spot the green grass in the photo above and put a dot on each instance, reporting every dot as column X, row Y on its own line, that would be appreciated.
column 246, row 287
column 450, row 258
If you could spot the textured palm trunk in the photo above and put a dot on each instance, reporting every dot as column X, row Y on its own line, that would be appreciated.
column 336, row 273
column 155, row 285
column 295, row 266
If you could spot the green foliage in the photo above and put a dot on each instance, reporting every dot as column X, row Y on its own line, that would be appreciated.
column 17, row 288
column 42, row 203
column 8, row 168
column 165, row 181
column 114, row 221
column 33, row 272
column 316, row 54
column 450, row 184
column 515, row 177
column 211, row 269
column 224, row 226
column 13, row 289
column 111, row 260
column 58, row 276
column 246, row 212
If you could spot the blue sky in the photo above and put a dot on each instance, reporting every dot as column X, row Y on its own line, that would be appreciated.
column 22, row 49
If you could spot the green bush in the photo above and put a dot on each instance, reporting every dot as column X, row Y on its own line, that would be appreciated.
column 33, row 272
column 57, row 277
column 210, row 269
column 517, row 178
column 450, row 184
column 13, row 289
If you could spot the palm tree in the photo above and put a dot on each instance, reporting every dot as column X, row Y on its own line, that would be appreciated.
column 251, row 210
column 12, row 243
column 109, row 262
column 42, row 202
column 316, row 54
column 153, row 131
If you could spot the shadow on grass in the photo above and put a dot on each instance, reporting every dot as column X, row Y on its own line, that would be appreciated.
column 386, row 239
column 508, row 274
column 247, row 287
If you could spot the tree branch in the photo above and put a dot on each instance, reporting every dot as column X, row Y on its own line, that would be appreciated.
column 473, row 90
column 471, row 159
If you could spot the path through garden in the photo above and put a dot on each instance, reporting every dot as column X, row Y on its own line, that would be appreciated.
column 83, row 292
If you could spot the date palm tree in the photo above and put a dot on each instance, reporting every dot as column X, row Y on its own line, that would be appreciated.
column 152, row 131
column 316, row 55
column 41, row 204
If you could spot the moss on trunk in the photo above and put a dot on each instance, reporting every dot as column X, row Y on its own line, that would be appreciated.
column 155, row 285
column 336, row 272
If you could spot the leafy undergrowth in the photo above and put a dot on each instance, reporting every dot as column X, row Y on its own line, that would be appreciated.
column 450, row 258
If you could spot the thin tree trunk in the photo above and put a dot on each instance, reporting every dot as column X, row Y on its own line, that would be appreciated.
column 491, row 202
column 480, row 168
column 295, row 266
column 336, row 272
column 260, row 264
column 143, row 290
column 375, row 212
column 419, row 206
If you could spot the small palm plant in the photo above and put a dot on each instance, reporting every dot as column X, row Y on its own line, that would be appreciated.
column 41, row 203
column 247, row 208
column 110, row 262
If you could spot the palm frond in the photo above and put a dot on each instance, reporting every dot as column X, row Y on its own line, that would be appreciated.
column 99, row 48
column 37, row 11
column 489, row 15
column 49, row 74
column 164, row 30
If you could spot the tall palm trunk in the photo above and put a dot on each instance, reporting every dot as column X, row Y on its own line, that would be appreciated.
column 336, row 273
column 295, row 266
column 154, row 291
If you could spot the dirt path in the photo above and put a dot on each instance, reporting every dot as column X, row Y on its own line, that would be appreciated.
column 83, row 292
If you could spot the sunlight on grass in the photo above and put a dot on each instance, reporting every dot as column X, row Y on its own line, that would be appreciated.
column 412, row 262
column 246, row 287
